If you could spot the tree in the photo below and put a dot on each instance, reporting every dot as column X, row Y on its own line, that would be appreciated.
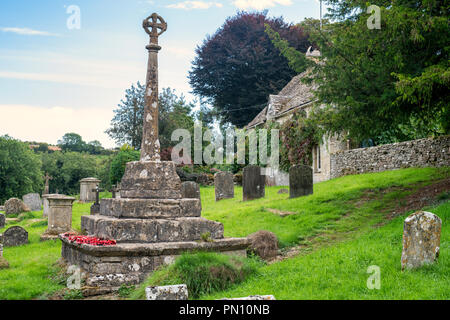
column 20, row 169
column 174, row 113
column 387, row 85
column 72, row 142
column 238, row 67
column 118, row 164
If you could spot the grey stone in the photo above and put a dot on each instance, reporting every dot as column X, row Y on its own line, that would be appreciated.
column 175, row 292
column 190, row 190
column 15, row 206
column 15, row 236
column 253, row 183
column 283, row 191
column 2, row 208
column 421, row 239
column 224, row 185
column 87, row 185
column 300, row 181
column 33, row 201
column 2, row 220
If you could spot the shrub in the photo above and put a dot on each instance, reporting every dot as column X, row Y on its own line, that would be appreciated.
column 202, row 272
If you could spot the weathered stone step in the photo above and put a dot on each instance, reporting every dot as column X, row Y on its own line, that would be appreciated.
column 150, row 230
column 150, row 208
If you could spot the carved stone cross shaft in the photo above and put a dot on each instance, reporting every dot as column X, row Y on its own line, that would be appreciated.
column 150, row 148
column 47, row 187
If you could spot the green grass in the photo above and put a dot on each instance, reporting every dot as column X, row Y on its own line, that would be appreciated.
column 328, row 268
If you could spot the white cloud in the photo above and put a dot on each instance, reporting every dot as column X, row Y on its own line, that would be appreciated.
column 189, row 5
column 29, row 32
column 35, row 123
column 260, row 4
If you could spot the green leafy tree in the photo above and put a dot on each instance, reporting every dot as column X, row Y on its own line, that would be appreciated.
column 20, row 169
column 118, row 164
column 72, row 142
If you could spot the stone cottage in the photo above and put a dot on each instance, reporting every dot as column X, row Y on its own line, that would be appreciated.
column 294, row 97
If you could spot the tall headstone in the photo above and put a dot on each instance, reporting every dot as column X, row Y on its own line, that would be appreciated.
column 300, row 181
column 151, row 222
column 421, row 239
column 253, row 183
column 86, row 187
column 33, row 201
column 15, row 236
column 59, row 216
column 224, row 185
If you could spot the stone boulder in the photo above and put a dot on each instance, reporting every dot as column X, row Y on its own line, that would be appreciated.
column 15, row 206
column 421, row 239
column 264, row 244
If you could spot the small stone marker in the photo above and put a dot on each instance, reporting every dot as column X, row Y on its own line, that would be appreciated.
column 190, row 190
column 14, row 206
column 3, row 263
column 15, row 236
column 253, row 183
column 2, row 220
column 86, row 187
column 224, row 185
column 283, row 191
column 59, row 217
column 421, row 239
column 300, row 181
column 95, row 208
column 33, row 201
column 177, row 292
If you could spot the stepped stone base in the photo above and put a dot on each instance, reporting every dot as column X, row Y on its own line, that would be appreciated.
column 107, row 268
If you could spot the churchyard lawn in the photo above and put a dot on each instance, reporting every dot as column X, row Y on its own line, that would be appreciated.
column 341, row 230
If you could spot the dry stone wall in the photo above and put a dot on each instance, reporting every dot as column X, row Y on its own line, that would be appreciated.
column 432, row 152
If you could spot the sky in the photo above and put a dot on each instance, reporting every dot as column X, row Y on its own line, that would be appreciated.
column 65, row 64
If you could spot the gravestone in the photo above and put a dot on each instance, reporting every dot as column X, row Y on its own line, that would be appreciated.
column 59, row 216
column 224, row 185
column 300, row 181
column 253, row 183
column 175, row 292
column 421, row 239
column 46, row 206
column 33, row 201
column 95, row 208
column 14, row 206
column 86, row 187
column 3, row 263
column 151, row 223
column 15, row 236
column 46, row 178
column 2, row 220
column 190, row 190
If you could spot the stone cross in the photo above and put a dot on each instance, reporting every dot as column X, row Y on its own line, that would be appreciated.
column 47, row 178
column 154, row 25
column 97, row 191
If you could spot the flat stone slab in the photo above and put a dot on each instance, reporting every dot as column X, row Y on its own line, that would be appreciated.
column 175, row 292
column 150, row 230
column 130, row 263
column 150, row 208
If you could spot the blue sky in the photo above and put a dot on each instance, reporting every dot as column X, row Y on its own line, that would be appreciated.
column 55, row 80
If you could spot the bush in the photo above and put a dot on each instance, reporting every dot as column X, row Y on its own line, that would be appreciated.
column 202, row 272
column 20, row 169
column 119, row 162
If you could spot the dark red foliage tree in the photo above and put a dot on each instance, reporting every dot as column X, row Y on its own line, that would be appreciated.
column 238, row 67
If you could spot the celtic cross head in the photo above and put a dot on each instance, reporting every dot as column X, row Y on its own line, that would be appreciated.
column 154, row 26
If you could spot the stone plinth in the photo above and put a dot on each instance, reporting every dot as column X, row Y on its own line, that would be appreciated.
column 87, row 186
column 300, row 181
column 46, row 204
column 253, row 183
column 59, row 217
column 224, row 185
column 421, row 239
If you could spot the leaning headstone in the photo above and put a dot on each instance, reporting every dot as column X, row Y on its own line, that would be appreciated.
column 59, row 217
column 224, row 185
column 15, row 206
column 86, row 187
column 421, row 239
column 15, row 236
column 253, row 183
column 300, row 181
column 33, row 201
column 2, row 220
column 3, row 263
column 190, row 190
column 177, row 292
